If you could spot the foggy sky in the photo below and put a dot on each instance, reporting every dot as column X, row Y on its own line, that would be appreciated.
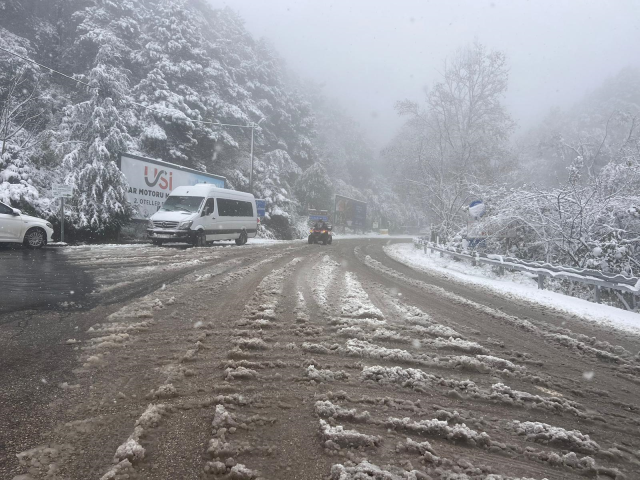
column 369, row 54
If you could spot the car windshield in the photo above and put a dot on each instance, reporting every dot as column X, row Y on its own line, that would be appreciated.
column 177, row 203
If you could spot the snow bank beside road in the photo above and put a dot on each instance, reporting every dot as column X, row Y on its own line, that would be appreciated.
column 513, row 284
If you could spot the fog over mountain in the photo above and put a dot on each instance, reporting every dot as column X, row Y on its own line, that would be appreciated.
column 369, row 54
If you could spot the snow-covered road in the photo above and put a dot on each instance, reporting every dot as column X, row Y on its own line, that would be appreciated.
column 295, row 361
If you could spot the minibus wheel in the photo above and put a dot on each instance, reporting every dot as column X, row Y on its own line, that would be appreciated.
column 242, row 239
column 200, row 240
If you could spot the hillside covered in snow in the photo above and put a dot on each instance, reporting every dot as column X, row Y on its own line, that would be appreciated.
column 152, row 77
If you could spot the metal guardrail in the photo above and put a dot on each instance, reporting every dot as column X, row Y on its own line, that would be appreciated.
column 617, row 283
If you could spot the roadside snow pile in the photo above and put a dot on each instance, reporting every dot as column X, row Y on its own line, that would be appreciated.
column 479, row 363
column 301, row 311
column 165, row 391
column 217, row 269
column 360, row 348
column 368, row 471
column 436, row 331
column 251, row 344
column 440, row 428
column 603, row 353
column 337, row 437
column 556, row 436
column 320, row 348
column 390, row 335
column 108, row 341
column 119, row 327
column 222, row 418
column 260, row 312
column 131, row 451
column 457, row 344
column 500, row 363
column 415, row 379
column 329, row 410
column 355, row 301
column 514, row 285
column 236, row 472
column 321, row 375
column 507, row 395
column 43, row 461
column 423, row 323
column 223, row 451
column 324, row 273
column 424, row 449
column 239, row 372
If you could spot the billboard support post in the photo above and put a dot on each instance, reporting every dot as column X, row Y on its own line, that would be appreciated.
column 62, row 192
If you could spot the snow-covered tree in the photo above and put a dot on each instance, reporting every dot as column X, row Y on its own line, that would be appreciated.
column 314, row 189
column 459, row 137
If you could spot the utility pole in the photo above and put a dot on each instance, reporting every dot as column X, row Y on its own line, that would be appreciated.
column 253, row 127
column 62, row 219
column 251, row 172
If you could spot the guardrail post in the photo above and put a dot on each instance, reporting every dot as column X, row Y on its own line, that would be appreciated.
column 425, row 248
column 540, row 281
column 597, row 292
column 632, row 302
column 474, row 262
column 500, row 270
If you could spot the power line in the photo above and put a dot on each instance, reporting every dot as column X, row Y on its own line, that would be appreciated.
column 206, row 122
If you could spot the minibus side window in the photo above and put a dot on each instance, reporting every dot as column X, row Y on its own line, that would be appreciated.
column 223, row 207
column 209, row 207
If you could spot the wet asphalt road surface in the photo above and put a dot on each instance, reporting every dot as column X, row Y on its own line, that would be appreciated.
column 256, row 355
column 39, row 279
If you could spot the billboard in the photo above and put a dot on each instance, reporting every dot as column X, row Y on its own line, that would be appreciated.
column 315, row 215
column 350, row 212
column 151, row 181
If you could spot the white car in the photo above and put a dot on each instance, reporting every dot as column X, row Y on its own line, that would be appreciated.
column 15, row 227
column 203, row 213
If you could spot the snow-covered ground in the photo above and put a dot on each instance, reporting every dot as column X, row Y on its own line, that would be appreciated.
column 346, row 236
column 514, row 284
column 217, row 243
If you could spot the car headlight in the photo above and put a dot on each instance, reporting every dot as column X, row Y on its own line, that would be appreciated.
column 49, row 225
column 186, row 225
column 149, row 224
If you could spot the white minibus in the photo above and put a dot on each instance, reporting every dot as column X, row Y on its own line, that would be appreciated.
column 203, row 213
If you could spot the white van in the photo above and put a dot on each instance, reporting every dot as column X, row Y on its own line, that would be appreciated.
column 202, row 213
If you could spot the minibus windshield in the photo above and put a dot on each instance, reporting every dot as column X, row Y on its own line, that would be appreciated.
column 182, row 204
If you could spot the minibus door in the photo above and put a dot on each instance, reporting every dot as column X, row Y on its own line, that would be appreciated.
column 208, row 218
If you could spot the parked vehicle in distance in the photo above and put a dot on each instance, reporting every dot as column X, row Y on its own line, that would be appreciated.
column 203, row 213
column 321, row 233
column 15, row 227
